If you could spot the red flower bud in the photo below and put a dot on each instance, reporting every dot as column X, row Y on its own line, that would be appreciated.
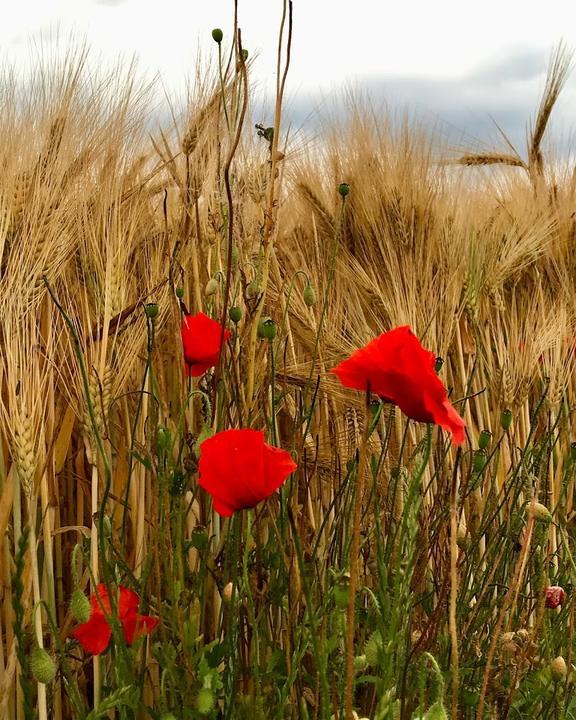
column 555, row 596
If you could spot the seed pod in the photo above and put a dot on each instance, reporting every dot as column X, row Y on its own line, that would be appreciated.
column 479, row 461
column 267, row 329
column 343, row 189
column 151, row 310
column 217, row 35
column 80, row 606
column 484, row 439
column 179, row 293
column 235, row 314
column 506, row 420
column 42, row 666
column 309, row 295
column 558, row 669
column 244, row 54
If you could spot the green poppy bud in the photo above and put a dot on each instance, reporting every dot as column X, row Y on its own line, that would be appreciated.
column 244, row 54
column 343, row 189
column 267, row 329
column 211, row 287
column 252, row 289
column 205, row 701
column 341, row 592
column 42, row 666
column 179, row 293
column 506, row 420
column 438, row 364
column 479, row 461
column 309, row 295
column 235, row 314
column 484, row 439
column 269, row 134
column 199, row 538
column 372, row 649
column 360, row 663
column 217, row 35
column 151, row 310
column 80, row 606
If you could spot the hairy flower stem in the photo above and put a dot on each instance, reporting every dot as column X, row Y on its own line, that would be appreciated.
column 354, row 553
column 222, row 87
column 452, row 621
column 331, row 275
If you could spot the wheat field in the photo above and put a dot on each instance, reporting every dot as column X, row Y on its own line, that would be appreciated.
column 393, row 576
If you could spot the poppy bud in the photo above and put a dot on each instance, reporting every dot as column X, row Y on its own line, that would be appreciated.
column 217, row 35
column 484, row 439
column 555, row 596
column 205, row 701
column 106, row 526
column 539, row 512
column 252, row 289
column 211, row 287
column 341, row 591
column 343, row 189
column 558, row 669
column 228, row 592
column 244, row 54
column 179, row 293
column 372, row 649
column 506, row 420
column 42, row 666
column 80, row 606
column 267, row 329
column 235, row 314
column 479, row 461
column 309, row 295
column 438, row 364
column 199, row 539
column 360, row 663
column 151, row 310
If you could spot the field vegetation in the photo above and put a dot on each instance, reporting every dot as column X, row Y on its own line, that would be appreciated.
column 393, row 574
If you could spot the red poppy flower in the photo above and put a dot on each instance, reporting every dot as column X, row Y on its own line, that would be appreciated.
column 555, row 596
column 396, row 367
column 94, row 635
column 201, row 342
column 240, row 470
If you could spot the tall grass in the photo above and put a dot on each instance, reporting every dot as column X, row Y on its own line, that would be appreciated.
column 98, row 451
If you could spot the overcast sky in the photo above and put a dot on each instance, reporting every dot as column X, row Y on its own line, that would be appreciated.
column 452, row 62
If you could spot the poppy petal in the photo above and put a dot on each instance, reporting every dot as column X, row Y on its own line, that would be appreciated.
column 136, row 626
column 94, row 635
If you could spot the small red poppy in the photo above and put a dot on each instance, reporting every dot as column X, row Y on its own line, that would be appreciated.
column 396, row 367
column 201, row 342
column 240, row 470
column 555, row 596
column 94, row 635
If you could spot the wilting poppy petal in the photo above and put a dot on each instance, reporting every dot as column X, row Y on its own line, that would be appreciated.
column 94, row 635
column 135, row 626
column 396, row 367
column 201, row 342
column 240, row 470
